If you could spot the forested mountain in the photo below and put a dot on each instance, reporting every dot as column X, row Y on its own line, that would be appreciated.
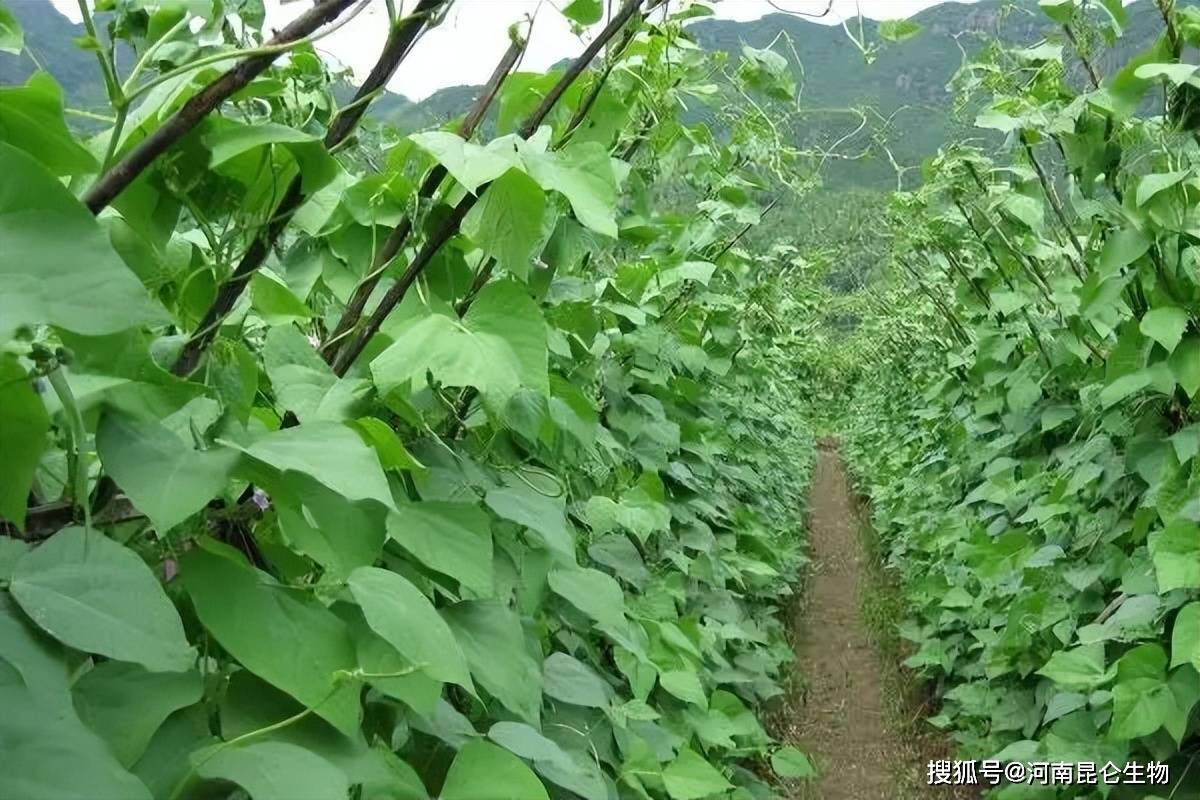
column 908, row 81
column 905, row 82
column 51, row 43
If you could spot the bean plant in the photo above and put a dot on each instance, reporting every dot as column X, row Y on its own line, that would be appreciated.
column 340, row 463
column 1026, row 430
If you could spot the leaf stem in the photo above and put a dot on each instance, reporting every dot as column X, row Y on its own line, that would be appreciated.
column 265, row 50
column 399, row 234
column 114, row 138
column 79, row 112
column 76, row 460
column 449, row 226
column 111, row 87
column 254, row 734
column 128, row 86
column 339, row 678
column 118, row 177
column 399, row 43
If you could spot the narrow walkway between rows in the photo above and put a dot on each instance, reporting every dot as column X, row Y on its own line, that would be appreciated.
column 839, row 715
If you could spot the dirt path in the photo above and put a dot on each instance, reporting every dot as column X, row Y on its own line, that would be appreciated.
column 852, row 707
column 839, row 714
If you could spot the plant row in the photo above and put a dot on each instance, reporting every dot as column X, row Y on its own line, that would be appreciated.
column 1027, row 431
column 340, row 463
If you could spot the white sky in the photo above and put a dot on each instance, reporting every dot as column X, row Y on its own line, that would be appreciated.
column 466, row 46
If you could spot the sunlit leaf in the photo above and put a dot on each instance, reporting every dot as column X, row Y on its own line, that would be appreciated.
column 788, row 762
column 483, row 771
column 31, row 117
column 48, row 754
column 452, row 538
column 286, row 638
column 397, row 611
column 690, row 777
column 899, row 30
column 275, row 771
column 162, row 474
column 12, row 38
column 498, row 347
column 23, row 428
column 57, row 265
column 98, row 596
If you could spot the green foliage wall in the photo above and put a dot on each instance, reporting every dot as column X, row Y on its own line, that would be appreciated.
column 518, row 525
column 1027, row 430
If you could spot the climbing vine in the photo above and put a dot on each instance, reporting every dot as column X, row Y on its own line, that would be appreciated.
column 340, row 464
column 1027, row 431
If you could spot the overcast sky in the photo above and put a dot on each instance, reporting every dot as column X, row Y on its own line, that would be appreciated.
column 466, row 47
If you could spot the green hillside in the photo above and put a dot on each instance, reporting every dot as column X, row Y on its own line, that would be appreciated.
column 905, row 82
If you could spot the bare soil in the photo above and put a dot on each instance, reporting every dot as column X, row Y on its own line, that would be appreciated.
column 851, row 706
